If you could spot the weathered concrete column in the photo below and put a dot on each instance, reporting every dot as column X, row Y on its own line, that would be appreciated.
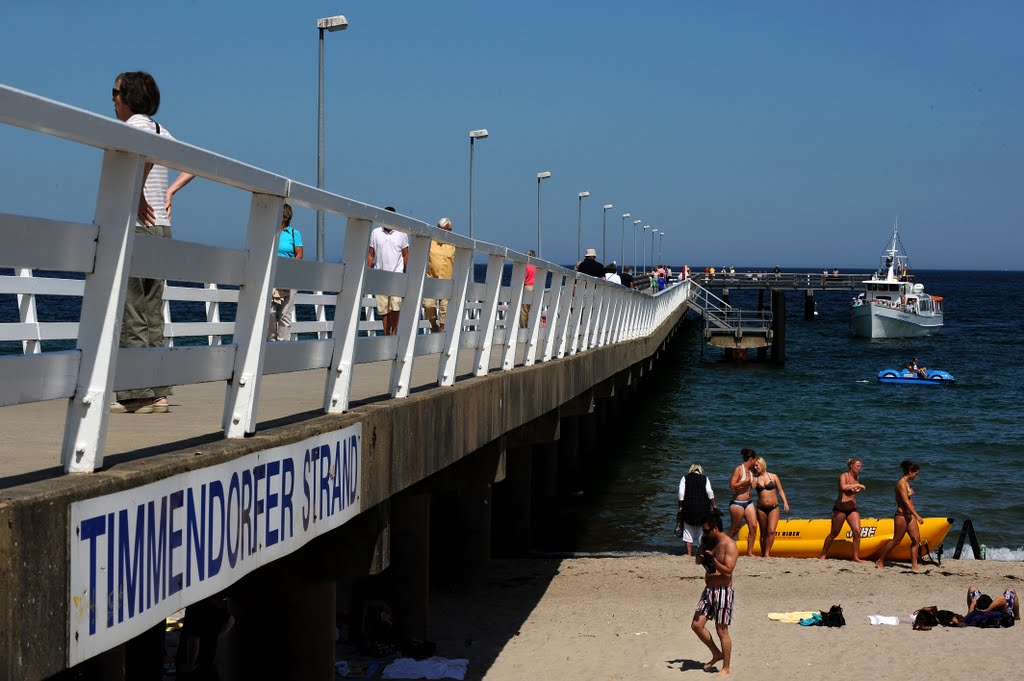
column 410, row 565
column 513, row 504
column 474, row 509
column 285, row 620
column 809, row 306
column 779, row 327
column 569, row 455
column 545, row 471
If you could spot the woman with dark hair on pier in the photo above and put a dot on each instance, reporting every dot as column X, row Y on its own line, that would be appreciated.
column 845, row 509
column 741, row 507
column 907, row 519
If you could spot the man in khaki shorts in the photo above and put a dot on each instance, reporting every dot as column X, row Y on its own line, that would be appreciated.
column 440, row 265
column 389, row 251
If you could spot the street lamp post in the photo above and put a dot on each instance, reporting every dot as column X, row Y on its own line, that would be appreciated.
column 473, row 136
column 654, row 232
column 661, row 242
column 636, row 223
column 643, row 249
column 604, row 230
column 579, row 226
column 329, row 24
column 540, row 176
column 622, row 242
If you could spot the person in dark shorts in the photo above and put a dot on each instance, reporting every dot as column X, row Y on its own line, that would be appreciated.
column 718, row 555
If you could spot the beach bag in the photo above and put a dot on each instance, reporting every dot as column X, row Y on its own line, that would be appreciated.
column 948, row 618
column 990, row 619
column 834, row 617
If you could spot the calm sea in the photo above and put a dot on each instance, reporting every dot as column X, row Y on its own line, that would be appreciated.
column 806, row 418
column 822, row 407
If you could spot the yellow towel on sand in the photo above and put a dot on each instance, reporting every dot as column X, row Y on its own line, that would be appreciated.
column 790, row 616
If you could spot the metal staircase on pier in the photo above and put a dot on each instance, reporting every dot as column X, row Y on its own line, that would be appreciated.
column 726, row 326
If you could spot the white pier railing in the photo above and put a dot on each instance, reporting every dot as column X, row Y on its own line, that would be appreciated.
column 581, row 312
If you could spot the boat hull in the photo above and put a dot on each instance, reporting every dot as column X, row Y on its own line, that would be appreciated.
column 905, row 377
column 800, row 538
column 880, row 321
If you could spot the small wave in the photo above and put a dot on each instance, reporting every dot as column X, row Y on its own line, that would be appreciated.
column 996, row 553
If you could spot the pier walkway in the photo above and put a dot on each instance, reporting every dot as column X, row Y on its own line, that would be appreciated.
column 302, row 479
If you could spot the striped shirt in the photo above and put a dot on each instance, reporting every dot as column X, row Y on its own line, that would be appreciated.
column 155, row 189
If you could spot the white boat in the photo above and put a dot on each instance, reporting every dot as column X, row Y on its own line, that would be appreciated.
column 893, row 305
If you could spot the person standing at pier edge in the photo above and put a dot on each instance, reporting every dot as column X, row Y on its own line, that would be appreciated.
column 282, row 301
column 769, row 491
column 531, row 277
column 626, row 277
column 136, row 100
column 389, row 251
column 590, row 265
column 611, row 274
column 718, row 555
column 845, row 509
column 439, row 266
column 906, row 519
column 741, row 506
column 696, row 500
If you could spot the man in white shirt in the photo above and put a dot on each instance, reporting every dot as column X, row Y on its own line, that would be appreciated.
column 389, row 251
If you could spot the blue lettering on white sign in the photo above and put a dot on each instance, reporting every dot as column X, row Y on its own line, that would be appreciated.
column 140, row 555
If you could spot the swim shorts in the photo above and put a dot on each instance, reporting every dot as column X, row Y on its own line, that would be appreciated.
column 716, row 602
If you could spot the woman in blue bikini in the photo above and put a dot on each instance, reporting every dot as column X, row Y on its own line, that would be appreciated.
column 742, row 506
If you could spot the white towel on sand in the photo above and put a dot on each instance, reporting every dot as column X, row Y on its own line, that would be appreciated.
column 884, row 619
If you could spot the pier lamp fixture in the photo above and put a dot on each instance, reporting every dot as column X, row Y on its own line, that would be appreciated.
column 661, row 241
column 654, row 233
column 636, row 223
column 579, row 226
column 474, row 135
column 643, row 249
column 604, row 230
column 622, row 241
column 329, row 24
column 540, row 176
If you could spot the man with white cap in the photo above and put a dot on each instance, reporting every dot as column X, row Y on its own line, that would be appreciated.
column 440, row 265
column 590, row 265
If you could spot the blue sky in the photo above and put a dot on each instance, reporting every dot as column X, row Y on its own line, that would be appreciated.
column 750, row 133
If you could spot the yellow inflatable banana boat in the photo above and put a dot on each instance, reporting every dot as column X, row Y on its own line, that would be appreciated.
column 796, row 538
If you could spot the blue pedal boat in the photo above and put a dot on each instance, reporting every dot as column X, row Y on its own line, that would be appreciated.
column 908, row 377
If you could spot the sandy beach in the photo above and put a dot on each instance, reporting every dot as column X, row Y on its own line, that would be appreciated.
column 629, row 618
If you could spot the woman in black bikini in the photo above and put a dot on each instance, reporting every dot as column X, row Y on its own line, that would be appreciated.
column 742, row 506
column 845, row 509
column 769, row 491
column 907, row 519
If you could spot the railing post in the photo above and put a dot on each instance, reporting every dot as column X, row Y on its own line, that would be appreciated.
column 536, row 316
column 99, row 328
column 321, row 316
column 554, row 314
column 515, row 302
column 570, row 307
column 251, row 318
column 461, row 274
column 213, row 315
column 492, row 285
column 408, row 323
column 346, row 315
column 27, row 315
column 585, row 309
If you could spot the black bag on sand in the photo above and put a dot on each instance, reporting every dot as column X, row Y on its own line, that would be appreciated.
column 925, row 618
column 834, row 617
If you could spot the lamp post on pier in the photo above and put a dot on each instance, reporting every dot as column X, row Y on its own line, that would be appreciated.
column 622, row 242
column 661, row 241
column 474, row 135
column 643, row 249
column 636, row 223
column 329, row 24
column 540, row 176
column 604, row 231
column 654, row 232
column 579, row 227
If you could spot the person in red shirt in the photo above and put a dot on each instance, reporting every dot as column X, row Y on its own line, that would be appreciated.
column 524, row 309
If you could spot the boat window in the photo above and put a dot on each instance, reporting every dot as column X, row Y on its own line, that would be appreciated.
column 872, row 287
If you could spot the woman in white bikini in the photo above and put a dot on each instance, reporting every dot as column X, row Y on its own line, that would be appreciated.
column 742, row 506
